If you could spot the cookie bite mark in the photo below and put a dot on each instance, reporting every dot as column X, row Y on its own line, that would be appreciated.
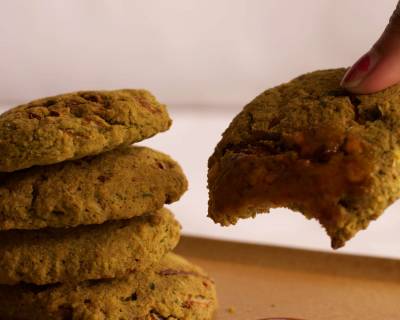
column 309, row 146
column 312, row 177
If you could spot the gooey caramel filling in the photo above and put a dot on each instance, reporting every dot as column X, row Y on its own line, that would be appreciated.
column 318, row 171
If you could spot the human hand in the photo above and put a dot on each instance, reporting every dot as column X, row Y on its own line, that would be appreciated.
column 379, row 68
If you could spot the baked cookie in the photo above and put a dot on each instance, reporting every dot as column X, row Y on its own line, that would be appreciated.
column 108, row 250
column 175, row 289
column 119, row 184
column 312, row 147
column 75, row 125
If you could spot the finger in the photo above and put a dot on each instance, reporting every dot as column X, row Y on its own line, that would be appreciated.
column 380, row 67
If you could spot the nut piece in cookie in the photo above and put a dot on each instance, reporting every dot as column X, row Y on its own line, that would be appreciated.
column 312, row 147
column 75, row 125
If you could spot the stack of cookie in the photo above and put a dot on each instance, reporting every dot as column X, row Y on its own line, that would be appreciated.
column 84, row 234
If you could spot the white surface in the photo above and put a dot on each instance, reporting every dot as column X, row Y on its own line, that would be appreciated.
column 210, row 52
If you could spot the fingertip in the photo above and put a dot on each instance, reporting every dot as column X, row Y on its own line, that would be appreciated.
column 355, row 77
column 385, row 73
column 380, row 67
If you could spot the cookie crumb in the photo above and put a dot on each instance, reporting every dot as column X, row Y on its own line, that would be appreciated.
column 230, row 310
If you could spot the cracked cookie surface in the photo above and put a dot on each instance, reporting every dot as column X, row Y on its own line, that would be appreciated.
column 75, row 125
column 108, row 250
column 312, row 147
column 118, row 184
column 174, row 289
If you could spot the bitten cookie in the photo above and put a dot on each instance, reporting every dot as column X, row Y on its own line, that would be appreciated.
column 109, row 250
column 174, row 290
column 119, row 184
column 75, row 125
column 310, row 146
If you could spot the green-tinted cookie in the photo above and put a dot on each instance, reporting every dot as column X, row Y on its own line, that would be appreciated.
column 310, row 146
column 75, row 125
column 175, row 289
column 109, row 250
column 119, row 184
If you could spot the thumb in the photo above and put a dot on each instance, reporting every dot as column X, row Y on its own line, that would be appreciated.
column 379, row 68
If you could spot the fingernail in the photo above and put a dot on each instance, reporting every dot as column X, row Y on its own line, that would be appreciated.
column 360, row 70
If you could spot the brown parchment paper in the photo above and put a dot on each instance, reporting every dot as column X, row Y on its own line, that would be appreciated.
column 260, row 282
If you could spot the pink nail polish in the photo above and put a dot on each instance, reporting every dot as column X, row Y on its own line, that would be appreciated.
column 359, row 71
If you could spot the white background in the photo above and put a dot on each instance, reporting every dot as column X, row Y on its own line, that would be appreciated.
column 205, row 59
